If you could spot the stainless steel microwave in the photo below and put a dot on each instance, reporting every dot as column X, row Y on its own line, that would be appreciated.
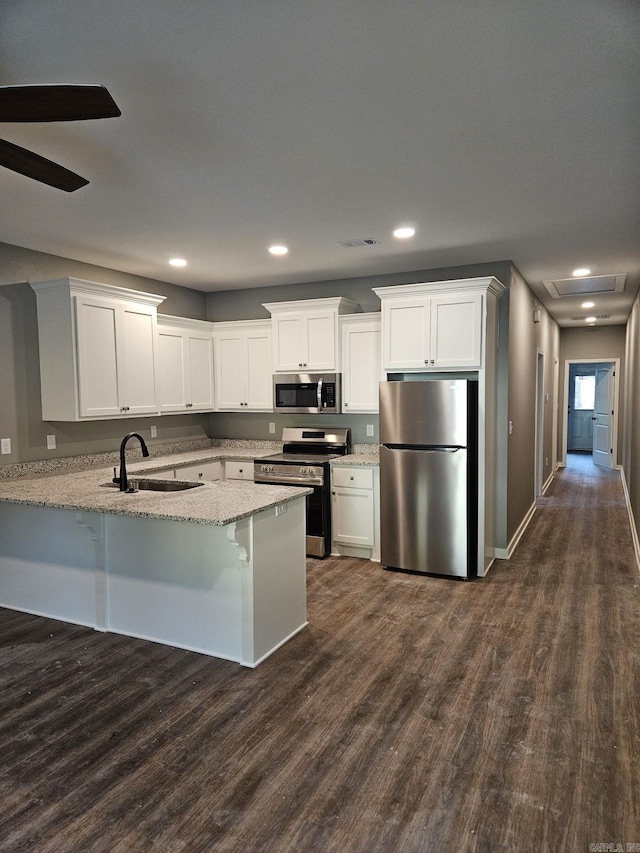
column 307, row 393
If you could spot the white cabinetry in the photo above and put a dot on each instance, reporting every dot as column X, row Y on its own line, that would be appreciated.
column 305, row 334
column 234, row 470
column 243, row 365
column 361, row 362
column 355, row 511
column 206, row 472
column 433, row 326
column 185, row 362
column 97, row 350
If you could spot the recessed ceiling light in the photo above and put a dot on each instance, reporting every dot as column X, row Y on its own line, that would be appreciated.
column 404, row 233
column 178, row 262
column 278, row 250
column 590, row 320
column 581, row 271
column 587, row 304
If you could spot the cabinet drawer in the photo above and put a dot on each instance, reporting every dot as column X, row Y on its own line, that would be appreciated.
column 238, row 470
column 356, row 478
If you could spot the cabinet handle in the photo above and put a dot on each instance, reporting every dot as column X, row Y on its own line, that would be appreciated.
column 426, row 361
column 189, row 405
column 351, row 478
column 299, row 364
column 200, row 475
column 433, row 361
column 345, row 405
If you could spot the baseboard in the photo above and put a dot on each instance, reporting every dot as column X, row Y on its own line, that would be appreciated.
column 506, row 553
column 548, row 483
column 632, row 521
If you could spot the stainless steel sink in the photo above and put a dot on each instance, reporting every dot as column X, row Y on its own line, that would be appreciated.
column 158, row 485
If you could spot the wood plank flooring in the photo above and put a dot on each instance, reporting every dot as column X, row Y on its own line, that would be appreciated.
column 413, row 715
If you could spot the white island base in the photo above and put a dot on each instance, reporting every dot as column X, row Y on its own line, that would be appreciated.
column 236, row 592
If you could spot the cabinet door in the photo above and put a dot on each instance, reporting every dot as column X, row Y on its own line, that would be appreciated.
column 406, row 333
column 172, row 392
column 206, row 472
column 319, row 337
column 200, row 371
column 456, row 331
column 230, row 369
column 98, row 387
column 361, row 366
column 288, row 342
column 136, row 332
column 352, row 516
column 259, row 381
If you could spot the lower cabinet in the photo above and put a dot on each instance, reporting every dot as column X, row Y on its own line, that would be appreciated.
column 355, row 511
column 207, row 472
column 234, row 470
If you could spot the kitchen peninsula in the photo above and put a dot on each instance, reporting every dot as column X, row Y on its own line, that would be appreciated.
column 217, row 569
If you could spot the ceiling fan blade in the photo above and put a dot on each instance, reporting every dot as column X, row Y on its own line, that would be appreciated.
column 39, row 168
column 56, row 102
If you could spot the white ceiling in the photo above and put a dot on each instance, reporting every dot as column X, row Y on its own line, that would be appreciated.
column 501, row 129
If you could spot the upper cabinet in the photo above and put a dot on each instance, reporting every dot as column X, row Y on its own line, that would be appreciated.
column 361, row 364
column 185, row 365
column 305, row 334
column 243, row 365
column 436, row 325
column 97, row 350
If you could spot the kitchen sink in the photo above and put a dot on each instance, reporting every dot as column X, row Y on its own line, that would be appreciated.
column 158, row 485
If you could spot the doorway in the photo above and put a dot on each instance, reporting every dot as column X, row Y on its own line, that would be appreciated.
column 590, row 423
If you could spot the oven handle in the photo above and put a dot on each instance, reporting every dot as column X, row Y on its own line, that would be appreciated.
column 290, row 481
column 319, row 394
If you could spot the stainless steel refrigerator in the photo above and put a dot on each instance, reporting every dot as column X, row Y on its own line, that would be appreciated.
column 428, row 476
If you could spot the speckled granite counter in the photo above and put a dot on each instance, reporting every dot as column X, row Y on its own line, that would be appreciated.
column 211, row 503
column 218, row 569
column 357, row 459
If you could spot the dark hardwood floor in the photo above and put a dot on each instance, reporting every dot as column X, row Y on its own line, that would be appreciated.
column 414, row 714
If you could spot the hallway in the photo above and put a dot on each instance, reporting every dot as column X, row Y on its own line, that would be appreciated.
column 414, row 715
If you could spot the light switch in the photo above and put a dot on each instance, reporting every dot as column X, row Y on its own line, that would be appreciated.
column 272, row 427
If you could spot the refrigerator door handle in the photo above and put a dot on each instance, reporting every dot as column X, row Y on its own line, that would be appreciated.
column 410, row 448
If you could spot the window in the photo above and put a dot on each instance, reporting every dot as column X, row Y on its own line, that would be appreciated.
column 585, row 393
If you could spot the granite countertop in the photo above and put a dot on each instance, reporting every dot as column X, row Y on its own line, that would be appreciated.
column 352, row 459
column 218, row 503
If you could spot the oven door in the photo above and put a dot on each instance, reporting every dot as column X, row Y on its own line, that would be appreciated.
column 317, row 514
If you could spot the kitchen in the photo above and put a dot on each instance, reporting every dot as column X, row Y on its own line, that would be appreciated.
column 405, row 715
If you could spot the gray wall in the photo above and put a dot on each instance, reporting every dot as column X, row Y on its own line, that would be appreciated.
column 20, row 411
column 247, row 304
column 526, row 339
column 596, row 343
column 631, row 440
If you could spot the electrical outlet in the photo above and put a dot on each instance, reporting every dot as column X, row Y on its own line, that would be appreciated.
column 51, row 442
column 154, row 432
column 5, row 445
column 510, row 427
column 369, row 429
column 281, row 509
column 272, row 427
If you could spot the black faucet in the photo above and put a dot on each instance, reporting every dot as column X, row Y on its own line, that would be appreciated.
column 124, row 483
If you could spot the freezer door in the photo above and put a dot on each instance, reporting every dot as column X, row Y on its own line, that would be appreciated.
column 423, row 510
column 432, row 412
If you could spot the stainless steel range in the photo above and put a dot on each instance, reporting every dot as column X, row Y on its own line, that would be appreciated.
column 305, row 462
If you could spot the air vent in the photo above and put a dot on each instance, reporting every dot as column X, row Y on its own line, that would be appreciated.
column 358, row 243
column 597, row 316
column 582, row 286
